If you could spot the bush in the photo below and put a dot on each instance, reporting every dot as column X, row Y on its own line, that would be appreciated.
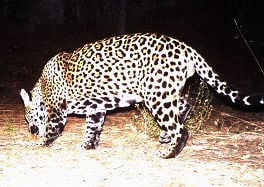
column 197, row 118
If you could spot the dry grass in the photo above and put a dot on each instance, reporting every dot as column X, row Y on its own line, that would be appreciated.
column 196, row 120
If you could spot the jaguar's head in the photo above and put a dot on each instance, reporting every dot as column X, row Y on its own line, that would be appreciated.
column 35, row 113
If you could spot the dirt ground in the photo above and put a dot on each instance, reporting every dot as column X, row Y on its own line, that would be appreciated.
column 229, row 153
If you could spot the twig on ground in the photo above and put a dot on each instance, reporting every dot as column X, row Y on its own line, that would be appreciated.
column 235, row 117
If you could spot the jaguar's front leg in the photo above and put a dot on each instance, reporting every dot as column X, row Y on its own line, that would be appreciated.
column 55, row 125
column 94, row 126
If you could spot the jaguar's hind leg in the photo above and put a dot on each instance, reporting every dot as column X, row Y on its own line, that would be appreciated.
column 94, row 126
column 178, row 135
column 164, row 137
column 184, row 110
column 181, row 144
column 171, row 121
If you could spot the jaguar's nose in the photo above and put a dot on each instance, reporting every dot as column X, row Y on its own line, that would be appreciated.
column 34, row 129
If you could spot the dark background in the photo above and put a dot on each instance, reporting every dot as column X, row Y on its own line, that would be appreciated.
column 32, row 31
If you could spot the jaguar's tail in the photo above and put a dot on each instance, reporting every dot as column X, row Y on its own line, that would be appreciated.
column 207, row 74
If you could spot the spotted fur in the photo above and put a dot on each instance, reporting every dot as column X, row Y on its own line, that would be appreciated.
column 119, row 72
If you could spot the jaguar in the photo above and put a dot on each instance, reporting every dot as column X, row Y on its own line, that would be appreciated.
column 118, row 72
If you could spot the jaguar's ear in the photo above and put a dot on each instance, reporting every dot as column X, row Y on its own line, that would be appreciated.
column 25, row 97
